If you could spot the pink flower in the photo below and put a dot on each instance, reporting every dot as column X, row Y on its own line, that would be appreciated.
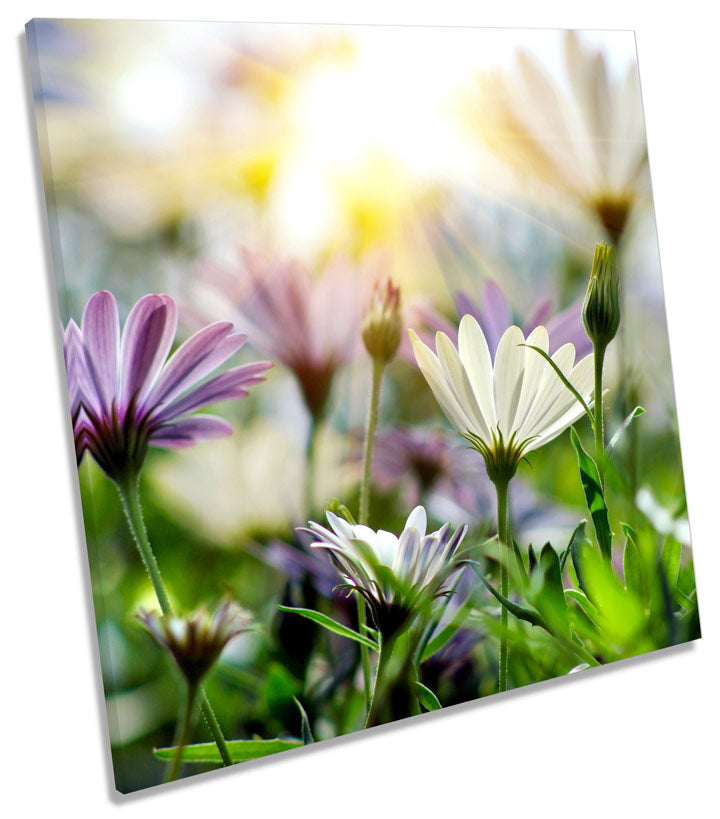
column 309, row 323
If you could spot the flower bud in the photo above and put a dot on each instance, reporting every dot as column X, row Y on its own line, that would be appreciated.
column 196, row 641
column 382, row 327
column 601, row 309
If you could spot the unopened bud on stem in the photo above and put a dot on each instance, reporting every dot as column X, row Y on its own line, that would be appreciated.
column 601, row 309
column 382, row 327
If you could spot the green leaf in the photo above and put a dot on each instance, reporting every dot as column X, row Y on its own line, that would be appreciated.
column 240, row 750
column 332, row 625
column 524, row 577
column 585, row 604
column 636, row 413
column 670, row 561
column 580, row 548
column 562, row 377
column 521, row 612
column 594, row 496
column 577, row 535
column 427, row 698
column 306, row 734
column 632, row 565
column 546, row 592
column 450, row 629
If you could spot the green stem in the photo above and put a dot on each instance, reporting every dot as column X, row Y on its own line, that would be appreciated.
column 364, row 650
column 130, row 496
column 372, row 419
column 374, row 716
column 310, row 465
column 501, row 487
column 182, row 735
column 599, row 358
column 364, row 511
column 129, row 490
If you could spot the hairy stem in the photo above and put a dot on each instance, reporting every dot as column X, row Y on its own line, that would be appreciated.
column 310, row 447
column 504, row 535
column 182, row 735
column 364, row 512
column 129, row 490
column 372, row 419
column 599, row 358
column 377, row 703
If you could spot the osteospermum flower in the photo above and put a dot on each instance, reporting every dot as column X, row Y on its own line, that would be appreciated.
column 494, row 313
column 125, row 395
column 196, row 641
column 588, row 144
column 508, row 408
column 398, row 576
column 310, row 323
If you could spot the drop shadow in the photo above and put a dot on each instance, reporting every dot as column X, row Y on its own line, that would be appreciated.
column 48, row 231
column 453, row 711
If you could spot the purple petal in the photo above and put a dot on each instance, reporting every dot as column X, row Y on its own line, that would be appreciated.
column 567, row 326
column 195, row 359
column 231, row 384
column 497, row 314
column 101, row 339
column 466, row 306
column 146, row 341
column 186, row 431
column 540, row 315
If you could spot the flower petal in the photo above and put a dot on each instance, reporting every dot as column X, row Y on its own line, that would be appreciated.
column 431, row 369
column 550, row 389
column 223, row 387
column 417, row 519
column 457, row 379
column 535, row 366
column 195, row 359
column 146, row 341
column 475, row 356
column 186, row 431
column 497, row 313
column 508, row 377
column 101, row 339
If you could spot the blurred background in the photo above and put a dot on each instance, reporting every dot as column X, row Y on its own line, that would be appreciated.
column 453, row 160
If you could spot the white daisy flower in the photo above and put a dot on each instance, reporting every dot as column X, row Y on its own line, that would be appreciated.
column 397, row 576
column 507, row 409
column 583, row 135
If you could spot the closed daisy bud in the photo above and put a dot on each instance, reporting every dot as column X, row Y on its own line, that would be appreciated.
column 196, row 641
column 382, row 327
column 601, row 310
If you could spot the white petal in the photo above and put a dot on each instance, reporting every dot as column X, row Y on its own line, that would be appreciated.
column 417, row 519
column 386, row 547
column 550, row 389
column 475, row 356
column 508, row 377
column 535, row 366
column 431, row 369
column 457, row 379
column 340, row 526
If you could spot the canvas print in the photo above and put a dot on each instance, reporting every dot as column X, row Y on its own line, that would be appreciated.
column 368, row 372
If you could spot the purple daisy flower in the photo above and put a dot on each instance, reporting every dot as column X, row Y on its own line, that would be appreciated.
column 125, row 394
column 309, row 323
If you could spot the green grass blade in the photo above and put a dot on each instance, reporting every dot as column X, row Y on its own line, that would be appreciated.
column 241, row 750
column 565, row 381
column 331, row 625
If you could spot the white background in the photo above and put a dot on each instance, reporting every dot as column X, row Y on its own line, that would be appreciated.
column 638, row 738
